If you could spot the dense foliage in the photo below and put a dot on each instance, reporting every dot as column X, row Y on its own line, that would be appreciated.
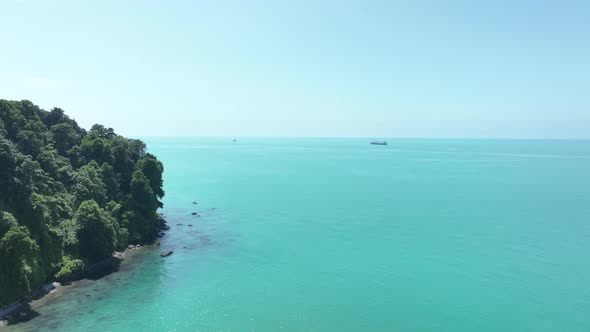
column 68, row 197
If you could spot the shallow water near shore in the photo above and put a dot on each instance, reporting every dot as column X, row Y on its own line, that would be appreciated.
column 339, row 235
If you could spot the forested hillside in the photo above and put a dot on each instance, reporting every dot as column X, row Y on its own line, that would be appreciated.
column 68, row 197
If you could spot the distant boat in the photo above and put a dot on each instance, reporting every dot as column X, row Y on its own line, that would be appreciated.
column 379, row 143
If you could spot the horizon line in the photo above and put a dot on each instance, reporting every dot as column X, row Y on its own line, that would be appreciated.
column 372, row 137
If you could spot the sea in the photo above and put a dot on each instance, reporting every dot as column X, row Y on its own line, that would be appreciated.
column 335, row 234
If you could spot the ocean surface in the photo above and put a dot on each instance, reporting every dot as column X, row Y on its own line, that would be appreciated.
column 340, row 235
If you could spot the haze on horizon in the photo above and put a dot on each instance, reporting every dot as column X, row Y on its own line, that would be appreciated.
column 300, row 68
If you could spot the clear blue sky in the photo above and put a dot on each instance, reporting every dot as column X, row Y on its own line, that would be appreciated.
column 304, row 68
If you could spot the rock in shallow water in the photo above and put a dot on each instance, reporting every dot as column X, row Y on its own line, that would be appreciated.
column 166, row 253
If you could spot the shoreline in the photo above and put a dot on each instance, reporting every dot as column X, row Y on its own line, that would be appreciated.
column 23, row 309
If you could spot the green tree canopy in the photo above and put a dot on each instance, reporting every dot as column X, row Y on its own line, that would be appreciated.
column 96, row 232
column 21, row 264
column 68, row 197
column 152, row 168
column 89, row 184
column 65, row 137
column 96, row 148
column 143, row 204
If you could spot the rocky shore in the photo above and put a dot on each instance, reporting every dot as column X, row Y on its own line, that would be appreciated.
column 21, row 311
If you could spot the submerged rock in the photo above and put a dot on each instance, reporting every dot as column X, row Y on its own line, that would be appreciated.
column 189, row 225
column 205, row 240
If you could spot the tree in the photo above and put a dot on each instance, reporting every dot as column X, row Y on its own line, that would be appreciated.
column 143, row 204
column 109, row 178
column 102, row 131
column 29, row 142
column 97, row 149
column 89, row 184
column 65, row 137
column 51, row 162
column 42, row 219
column 3, row 131
column 123, row 165
column 7, row 173
column 152, row 168
column 67, row 197
column 136, row 149
column 7, row 221
column 55, row 116
column 11, row 115
column 21, row 268
column 96, row 233
column 29, row 179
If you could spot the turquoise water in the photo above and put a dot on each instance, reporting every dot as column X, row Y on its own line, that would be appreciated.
column 338, row 235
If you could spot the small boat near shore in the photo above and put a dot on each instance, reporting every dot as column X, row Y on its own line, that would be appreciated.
column 379, row 143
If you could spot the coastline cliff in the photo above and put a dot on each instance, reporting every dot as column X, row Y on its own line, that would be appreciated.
column 69, row 197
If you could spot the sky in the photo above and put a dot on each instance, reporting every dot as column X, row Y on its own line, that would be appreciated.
column 448, row 69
